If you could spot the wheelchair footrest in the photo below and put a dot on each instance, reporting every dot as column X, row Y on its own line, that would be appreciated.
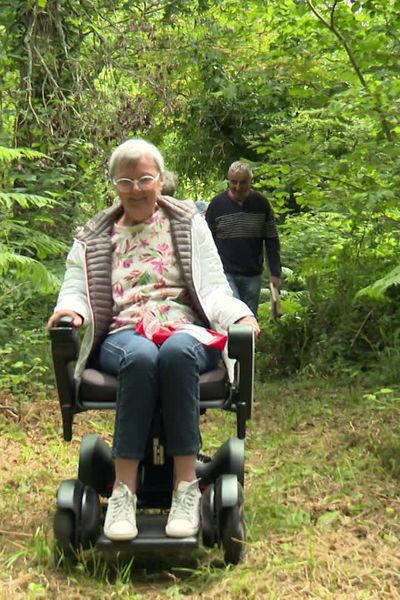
column 151, row 538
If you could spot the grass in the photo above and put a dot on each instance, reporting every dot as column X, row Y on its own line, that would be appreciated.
column 322, row 503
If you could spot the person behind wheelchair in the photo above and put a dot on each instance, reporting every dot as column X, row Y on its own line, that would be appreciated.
column 150, row 261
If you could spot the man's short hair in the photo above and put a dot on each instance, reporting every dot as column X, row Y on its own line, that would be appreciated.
column 170, row 183
column 240, row 167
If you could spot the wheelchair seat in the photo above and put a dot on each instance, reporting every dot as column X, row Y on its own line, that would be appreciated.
column 98, row 389
column 80, row 514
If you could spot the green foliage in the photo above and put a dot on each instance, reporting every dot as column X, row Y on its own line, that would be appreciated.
column 308, row 92
column 9, row 154
column 379, row 287
column 26, row 280
column 24, row 349
column 22, row 245
column 329, row 159
column 328, row 324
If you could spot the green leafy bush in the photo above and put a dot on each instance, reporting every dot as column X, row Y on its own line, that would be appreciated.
column 27, row 281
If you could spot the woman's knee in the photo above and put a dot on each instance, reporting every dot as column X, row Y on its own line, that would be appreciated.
column 140, row 359
column 127, row 351
column 177, row 351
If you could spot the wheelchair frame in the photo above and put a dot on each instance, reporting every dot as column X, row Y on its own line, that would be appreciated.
column 80, row 513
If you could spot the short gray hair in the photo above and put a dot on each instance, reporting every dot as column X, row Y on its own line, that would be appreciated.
column 133, row 150
column 240, row 167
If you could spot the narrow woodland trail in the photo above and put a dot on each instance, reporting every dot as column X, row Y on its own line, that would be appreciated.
column 322, row 503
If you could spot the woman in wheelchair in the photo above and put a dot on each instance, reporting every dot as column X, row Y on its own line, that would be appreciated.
column 145, row 265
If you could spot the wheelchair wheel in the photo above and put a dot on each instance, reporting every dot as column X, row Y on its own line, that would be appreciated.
column 209, row 533
column 90, row 516
column 233, row 531
column 96, row 466
column 65, row 549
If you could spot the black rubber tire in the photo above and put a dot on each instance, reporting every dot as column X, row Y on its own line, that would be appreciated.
column 90, row 517
column 208, row 532
column 65, row 550
column 233, row 531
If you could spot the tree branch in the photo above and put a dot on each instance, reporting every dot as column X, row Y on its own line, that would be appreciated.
column 345, row 183
column 27, row 44
column 332, row 27
column 58, row 24
column 50, row 75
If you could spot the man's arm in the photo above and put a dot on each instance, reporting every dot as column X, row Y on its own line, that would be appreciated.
column 273, row 252
column 273, row 248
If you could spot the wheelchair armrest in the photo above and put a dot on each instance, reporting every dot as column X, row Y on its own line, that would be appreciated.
column 241, row 348
column 65, row 348
column 64, row 340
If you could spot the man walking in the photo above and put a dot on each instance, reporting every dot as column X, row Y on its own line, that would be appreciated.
column 243, row 223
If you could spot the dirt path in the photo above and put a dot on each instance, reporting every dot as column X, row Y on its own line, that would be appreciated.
column 322, row 503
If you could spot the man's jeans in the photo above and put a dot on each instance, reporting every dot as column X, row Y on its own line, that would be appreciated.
column 246, row 288
column 147, row 373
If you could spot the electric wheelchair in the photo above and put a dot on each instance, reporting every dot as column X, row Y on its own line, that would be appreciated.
column 81, row 506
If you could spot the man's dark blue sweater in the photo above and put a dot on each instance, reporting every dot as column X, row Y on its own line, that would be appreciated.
column 240, row 232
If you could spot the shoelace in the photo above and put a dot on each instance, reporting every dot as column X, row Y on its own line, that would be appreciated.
column 183, row 504
column 121, row 506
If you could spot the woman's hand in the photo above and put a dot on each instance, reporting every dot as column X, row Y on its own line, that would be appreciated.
column 250, row 320
column 77, row 320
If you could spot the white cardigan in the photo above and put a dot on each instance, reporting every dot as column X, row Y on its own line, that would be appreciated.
column 209, row 280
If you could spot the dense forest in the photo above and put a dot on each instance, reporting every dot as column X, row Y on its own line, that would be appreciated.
column 307, row 91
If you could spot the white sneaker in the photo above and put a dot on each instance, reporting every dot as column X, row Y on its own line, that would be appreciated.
column 120, row 521
column 184, row 516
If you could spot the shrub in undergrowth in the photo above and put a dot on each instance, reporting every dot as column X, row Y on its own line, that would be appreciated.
column 338, row 334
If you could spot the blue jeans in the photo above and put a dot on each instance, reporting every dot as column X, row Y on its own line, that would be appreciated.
column 246, row 288
column 148, row 373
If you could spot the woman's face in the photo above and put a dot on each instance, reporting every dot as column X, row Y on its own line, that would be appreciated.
column 138, row 199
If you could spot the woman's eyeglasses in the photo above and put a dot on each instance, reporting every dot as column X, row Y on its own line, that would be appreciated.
column 124, row 184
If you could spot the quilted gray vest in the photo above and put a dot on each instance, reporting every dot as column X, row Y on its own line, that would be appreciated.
column 96, row 236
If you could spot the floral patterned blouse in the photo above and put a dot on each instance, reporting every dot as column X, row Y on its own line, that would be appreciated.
column 147, row 282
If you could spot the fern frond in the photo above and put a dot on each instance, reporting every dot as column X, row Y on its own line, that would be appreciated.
column 22, row 238
column 9, row 154
column 8, row 199
column 378, row 288
column 28, row 269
